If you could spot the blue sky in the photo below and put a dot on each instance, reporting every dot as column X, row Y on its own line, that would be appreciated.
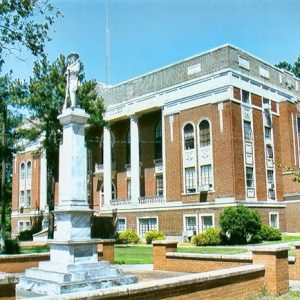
column 149, row 34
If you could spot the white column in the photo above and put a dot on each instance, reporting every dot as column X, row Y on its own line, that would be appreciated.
column 107, row 165
column 43, row 181
column 134, row 158
column 163, row 136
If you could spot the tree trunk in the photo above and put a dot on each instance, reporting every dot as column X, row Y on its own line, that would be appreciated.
column 3, row 176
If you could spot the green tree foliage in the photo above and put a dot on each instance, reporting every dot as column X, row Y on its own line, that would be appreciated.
column 295, row 69
column 44, row 102
column 268, row 233
column 239, row 224
column 9, row 121
column 25, row 23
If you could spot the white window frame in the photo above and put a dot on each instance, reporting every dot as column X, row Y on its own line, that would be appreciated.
column 145, row 217
column 274, row 213
column 122, row 218
column 206, row 215
column 264, row 72
column 200, row 149
column 186, row 192
column 183, row 136
column 24, row 222
column 113, row 192
column 184, row 221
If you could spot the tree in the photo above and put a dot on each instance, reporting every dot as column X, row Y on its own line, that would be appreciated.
column 46, row 95
column 25, row 24
column 295, row 69
column 9, row 120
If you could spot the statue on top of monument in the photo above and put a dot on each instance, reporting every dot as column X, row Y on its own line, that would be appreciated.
column 72, row 76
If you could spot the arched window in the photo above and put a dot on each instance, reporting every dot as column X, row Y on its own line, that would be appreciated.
column 189, row 140
column 158, row 141
column 22, row 171
column 128, row 147
column 204, row 133
column 28, row 171
column 113, row 192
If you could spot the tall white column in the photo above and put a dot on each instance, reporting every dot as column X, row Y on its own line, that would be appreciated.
column 107, row 165
column 134, row 158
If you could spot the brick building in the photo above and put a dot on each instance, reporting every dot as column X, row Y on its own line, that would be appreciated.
column 185, row 141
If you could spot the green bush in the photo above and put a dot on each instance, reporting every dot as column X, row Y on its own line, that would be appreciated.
column 239, row 225
column 128, row 237
column 212, row 236
column 11, row 246
column 268, row 233
column 25, row 235
column 154, row 235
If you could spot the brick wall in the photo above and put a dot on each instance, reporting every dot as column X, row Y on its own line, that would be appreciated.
column 232, row 284
column 20, row 262
column 293, row 213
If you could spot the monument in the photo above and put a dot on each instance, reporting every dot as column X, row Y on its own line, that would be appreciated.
column 73, row 264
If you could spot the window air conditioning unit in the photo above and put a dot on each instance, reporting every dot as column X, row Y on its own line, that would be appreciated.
column 271, row 186
column 21, row 209
column 204, row 188
column 267, row 106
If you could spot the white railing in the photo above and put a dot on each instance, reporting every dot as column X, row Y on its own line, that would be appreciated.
column 151, row 199
column 120, row 201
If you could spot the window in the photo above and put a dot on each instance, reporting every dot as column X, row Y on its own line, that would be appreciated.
column 269, row 151
column 129, row 188
column 191, row 223
column 128, row 147
column 204, row 134
column 121, row 224
column 298, row 125
column 158, row 141
column 206, row 175
column 188, row 132
column 28, row 197
column 113, row 193
column 268, row 133
column 249, row 177
column 274, row 220
column 266, row 101
column 264, row 72
column 268, row 119
column 22, row 171
column 247, row 130
column 29, row 171
column 244, row 63
column 22, row 198
column 23, row 225
column 159, row 185
column 190, row 180
column 206, row 221
column 245, row 96
column 147, row 224
column 270, row 175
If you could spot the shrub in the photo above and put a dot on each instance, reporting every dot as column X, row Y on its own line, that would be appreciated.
column 154, row 235
column 128, row 237
column 212, row 236
column 239, row 224
column 25, row 235
column 11, row 246
column 268, row 233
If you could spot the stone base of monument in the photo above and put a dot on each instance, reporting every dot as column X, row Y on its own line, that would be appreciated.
column 58, row 277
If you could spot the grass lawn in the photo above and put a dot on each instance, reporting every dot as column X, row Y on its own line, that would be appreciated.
column 288, row 296
column 143, row 254
column 32, row 249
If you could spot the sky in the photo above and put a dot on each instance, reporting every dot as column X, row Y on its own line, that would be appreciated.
column 148, row 34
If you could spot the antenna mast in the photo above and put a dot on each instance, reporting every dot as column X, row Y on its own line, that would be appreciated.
column 107, row 42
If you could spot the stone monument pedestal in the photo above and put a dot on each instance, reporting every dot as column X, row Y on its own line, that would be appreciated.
column 73, row 264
